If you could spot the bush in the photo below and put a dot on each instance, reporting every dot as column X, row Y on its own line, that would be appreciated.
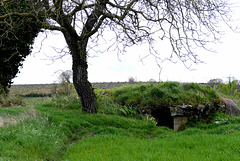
column 65, row 87
column 6, row 101
column 62, row 89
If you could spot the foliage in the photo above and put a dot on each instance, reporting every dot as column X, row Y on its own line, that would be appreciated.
column 219, row 121
column 149, row 96
column 65, row 86
column 229, row 89
column 65, row 76
column 6, row 101
column 62, row 89
column 224, row 119
column 151, row 119
column 108, row 106
column 212, row 82
column 131, row 80
column 17, row 37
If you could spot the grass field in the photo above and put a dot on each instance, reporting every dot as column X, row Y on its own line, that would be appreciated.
column 48, row 88
column 56, row 129
column 34, row 88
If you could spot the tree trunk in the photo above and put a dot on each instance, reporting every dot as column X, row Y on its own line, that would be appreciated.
column 80, row 78
column 83, row 87
column 78, row 49
column 80, row 75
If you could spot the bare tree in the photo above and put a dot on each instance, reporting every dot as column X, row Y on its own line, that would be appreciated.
column 215, row 81
column 131, row 80
column 65, row 77
column 186, row 24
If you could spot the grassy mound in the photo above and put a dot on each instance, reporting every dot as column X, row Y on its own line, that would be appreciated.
column 164, row 94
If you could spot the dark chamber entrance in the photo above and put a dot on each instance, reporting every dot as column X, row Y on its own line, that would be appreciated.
column 163, row 116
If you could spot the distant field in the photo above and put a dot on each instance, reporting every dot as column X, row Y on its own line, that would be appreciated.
column 47, row 89
column 33, row 88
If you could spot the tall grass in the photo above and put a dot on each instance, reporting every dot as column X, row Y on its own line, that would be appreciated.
column 14, row 115
column 32, row 139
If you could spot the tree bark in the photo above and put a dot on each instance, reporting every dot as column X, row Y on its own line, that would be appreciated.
column 83, row 87
column 80, row 81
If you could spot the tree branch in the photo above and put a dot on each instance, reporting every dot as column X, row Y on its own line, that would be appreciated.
column 92, row 24
column 2, row 17
column 94, row 30
column 80, row 7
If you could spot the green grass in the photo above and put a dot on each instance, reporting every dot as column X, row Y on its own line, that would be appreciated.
column 56, row 129
column 13, row 111
column 69, row 134
column 78, row 124
column 32, row 139
column 164, row 94
column 182, row 147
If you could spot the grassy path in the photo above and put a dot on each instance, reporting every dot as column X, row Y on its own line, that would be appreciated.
column 14, row 115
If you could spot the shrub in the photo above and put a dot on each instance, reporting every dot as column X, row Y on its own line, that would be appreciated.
column 62, row 89
column 65, row 86
column 6, row 100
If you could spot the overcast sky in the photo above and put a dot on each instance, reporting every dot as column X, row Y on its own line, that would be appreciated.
column 38, row 68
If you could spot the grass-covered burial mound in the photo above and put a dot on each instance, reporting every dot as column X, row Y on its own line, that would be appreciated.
column 150, row 96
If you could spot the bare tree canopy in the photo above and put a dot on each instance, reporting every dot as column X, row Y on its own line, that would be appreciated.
column 186, row 24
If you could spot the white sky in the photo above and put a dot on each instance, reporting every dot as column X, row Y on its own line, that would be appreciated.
column 106, row 67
